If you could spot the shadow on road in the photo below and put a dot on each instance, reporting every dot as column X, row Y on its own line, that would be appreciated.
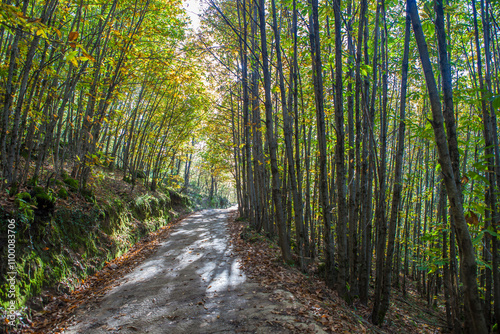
column 192, row 284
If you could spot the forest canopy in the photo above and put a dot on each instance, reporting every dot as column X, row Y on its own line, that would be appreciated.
column 86, row 83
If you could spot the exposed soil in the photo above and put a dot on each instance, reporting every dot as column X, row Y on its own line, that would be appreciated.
column 192, row 283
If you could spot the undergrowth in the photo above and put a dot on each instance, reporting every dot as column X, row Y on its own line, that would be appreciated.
column 60, row 250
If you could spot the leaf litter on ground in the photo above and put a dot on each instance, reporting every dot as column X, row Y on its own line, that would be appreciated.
column 262, row 261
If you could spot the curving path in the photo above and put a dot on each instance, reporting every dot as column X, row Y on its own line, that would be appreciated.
column 192, row 284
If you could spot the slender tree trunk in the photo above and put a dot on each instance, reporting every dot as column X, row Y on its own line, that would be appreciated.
column 276, row 187
column 321, row 133
column 491, row 150
column 379, row 315
column 342, row 212
column 473, row 309
column 380, row 212
column 297, row 203
column 258, row 151
column 360, row 107
column 303, row 233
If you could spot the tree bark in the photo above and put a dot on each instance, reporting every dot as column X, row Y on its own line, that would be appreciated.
column 342, row 212
column 379, row 315
column 321, row 134
column 473, row 309
column 276, row 182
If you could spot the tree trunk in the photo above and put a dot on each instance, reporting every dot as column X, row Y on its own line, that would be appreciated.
column 342, row 212
column 379, row 315
column 473, row 309
column 276, row 187
column 321, row 133
column 297, row 204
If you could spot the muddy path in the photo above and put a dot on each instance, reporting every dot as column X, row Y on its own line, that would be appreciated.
column 193, row 283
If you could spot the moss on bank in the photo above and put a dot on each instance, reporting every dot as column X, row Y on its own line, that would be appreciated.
column 59, row 250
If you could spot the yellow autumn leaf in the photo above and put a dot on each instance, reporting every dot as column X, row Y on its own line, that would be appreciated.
column 41, row 32
column 73, row 36
column 74, row 62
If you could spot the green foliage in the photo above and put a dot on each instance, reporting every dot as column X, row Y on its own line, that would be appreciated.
column 38, row 190
column 44, row 200
column 200, row 198
column 62, row 193
column 25, row 207
column 33, row 181
column 148, row 205
column 72, row 183
column 179, row 199
column 14, row 188
column 25, row 196
column 140, row 174
column 248, row 234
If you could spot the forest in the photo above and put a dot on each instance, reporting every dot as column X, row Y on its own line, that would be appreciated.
column 362, row 136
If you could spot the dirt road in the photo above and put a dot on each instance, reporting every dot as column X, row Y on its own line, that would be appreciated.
column 192, row 284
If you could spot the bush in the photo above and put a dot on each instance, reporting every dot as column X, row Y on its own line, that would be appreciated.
column 25, row 196
column 72, row 183
column 24, row 206
column 45, row 201
column 38, row 190
column 14, row 188
column 179, row 199
column 62, row 193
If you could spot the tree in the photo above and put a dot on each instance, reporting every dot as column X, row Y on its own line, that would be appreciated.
column 468, row 262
